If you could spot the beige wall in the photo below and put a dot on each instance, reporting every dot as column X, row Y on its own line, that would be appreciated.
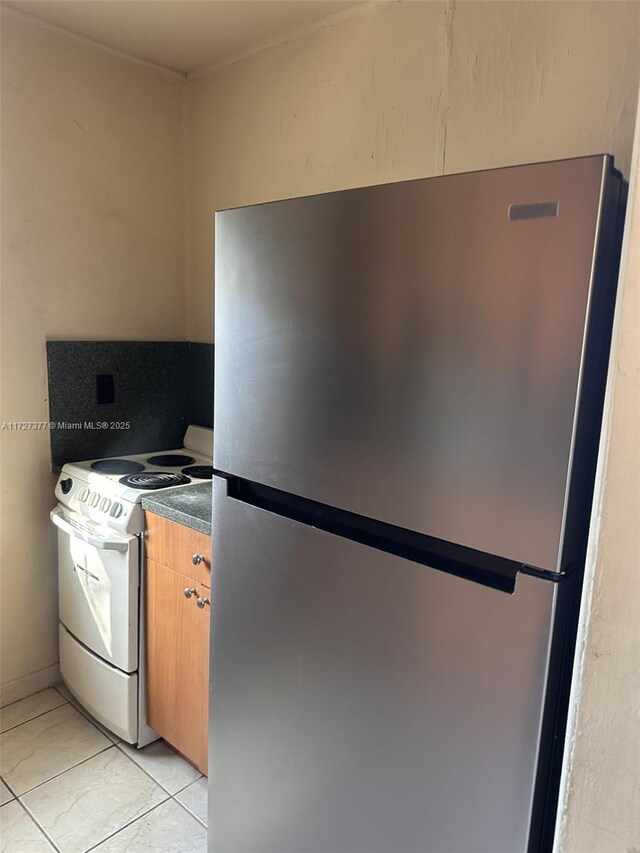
column 92, row 247
column 406, row 90
column 602, row 808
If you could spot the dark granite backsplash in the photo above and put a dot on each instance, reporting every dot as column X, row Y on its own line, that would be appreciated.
column 200, row 370
column 157, row 387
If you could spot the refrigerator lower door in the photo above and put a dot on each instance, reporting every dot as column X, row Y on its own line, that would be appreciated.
column 361, row 703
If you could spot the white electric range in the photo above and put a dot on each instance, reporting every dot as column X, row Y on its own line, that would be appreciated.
column 100, row 525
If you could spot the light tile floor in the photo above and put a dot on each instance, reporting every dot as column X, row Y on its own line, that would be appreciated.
column 69, row 785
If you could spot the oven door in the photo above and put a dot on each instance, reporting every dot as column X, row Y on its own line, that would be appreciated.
column 98, row 577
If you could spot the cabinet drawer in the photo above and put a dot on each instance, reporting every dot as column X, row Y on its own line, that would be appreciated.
column 176, row 545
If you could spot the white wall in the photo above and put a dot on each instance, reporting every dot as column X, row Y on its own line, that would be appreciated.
column 406, row 90
column 602, row 808
column 92, row 247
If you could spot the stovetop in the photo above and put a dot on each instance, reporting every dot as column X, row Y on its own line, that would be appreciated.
column 108, row 491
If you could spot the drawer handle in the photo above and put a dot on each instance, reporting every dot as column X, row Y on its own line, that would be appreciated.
column 197, row 559
column 189, row 592
column 202, row 602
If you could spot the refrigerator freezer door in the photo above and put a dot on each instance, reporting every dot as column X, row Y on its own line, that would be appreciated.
column 363, row 703
column 411, row 352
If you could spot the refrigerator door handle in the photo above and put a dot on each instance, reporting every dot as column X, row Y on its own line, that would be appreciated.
column 487, row 569
column 546, row 574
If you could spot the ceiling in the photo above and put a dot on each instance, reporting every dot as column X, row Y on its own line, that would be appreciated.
column 188, row 36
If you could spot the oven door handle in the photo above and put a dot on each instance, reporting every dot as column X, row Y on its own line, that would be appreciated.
column 96, row 541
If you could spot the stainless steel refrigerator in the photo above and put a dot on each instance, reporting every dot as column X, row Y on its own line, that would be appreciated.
column 408, row 391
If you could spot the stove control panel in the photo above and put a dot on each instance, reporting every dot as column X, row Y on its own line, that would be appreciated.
column 96, row 500
column 101, row 507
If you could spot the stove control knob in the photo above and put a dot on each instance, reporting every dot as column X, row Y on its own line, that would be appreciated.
column 65, row 485
column 116, row 510
column 94, row 499
column 84, row 494
column 105, row 504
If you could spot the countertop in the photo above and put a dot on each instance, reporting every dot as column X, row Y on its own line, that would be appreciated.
column 190, row 505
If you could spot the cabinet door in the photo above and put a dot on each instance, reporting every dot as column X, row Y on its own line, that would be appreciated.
column 177, row 636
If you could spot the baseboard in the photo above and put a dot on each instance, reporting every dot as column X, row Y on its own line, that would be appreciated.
column 20, row 688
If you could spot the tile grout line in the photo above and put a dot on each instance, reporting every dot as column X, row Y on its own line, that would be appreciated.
column 32, row 818
column 57, row 689
column 24, row 698
column 168, row 797
column 118, row 745
column 121, row 742
column 84, row 761
column 81, row 710
column 14, row 796
column 188, row 810
column 146, row 814
column 56, row 775
column 35, row 717
column 180, row 790
column 126, row 825
column 140, row 767
column 62, row 772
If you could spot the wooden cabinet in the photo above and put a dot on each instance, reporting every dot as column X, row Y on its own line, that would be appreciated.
column 177, row 546
column 177, row 635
